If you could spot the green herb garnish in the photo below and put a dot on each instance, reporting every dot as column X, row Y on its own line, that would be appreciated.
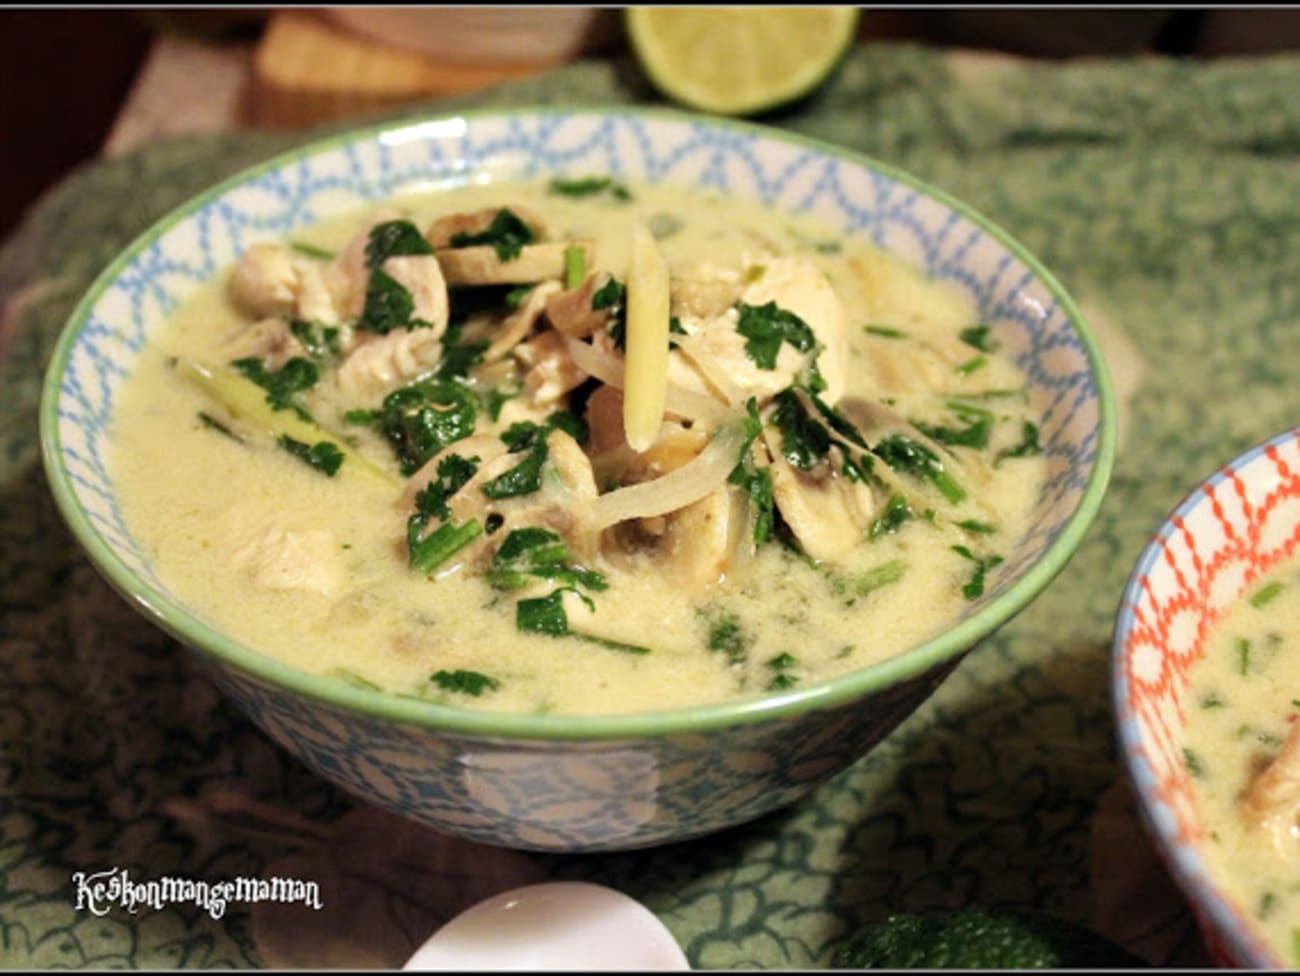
column 590, row 186
column 904, row 454
column 421, row 419
column 534, row 553
column 394, row 238
column 896, row 512
column 765, row 327
column 311, row 250
column 978, row 337
column 282, row 386
column 727, row 637
column 1028, row 444
column 861, row 585
column 323, row 456
column 1266, row 594
column 213, row 424
column 464, row 682
column 975, row 588
column 441, row 544
column 884, row 331
column 507, row 234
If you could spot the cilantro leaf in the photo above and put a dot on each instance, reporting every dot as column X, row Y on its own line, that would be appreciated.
column 282, row 386
column 324, row 456
column 453, row 472
column 766, row 327
column 394, row 238
column 464, row 682
column 421, row 419
column 904, row 454
column 1028, row 444
column 588, row 187
column 507, row 234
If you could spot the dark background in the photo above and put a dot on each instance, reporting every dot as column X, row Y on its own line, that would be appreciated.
column 64, row 74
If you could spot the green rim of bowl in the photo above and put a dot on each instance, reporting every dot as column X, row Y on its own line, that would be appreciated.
column 191, row 630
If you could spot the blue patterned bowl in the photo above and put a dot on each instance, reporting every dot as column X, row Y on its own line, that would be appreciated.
column 579, row 783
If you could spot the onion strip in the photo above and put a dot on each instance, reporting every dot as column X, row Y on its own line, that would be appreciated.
column 692, row 481
column 609, row 370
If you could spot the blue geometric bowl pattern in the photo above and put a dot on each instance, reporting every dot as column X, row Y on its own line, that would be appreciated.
column 580, row 784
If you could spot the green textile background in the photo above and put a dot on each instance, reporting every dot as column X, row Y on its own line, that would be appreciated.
column 1164, row 195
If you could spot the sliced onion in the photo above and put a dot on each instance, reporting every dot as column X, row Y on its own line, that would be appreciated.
column 609, row 369
column 714, row 373
column 677, row 489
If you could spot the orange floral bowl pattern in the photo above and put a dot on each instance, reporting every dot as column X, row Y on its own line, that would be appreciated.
column 1223, row 536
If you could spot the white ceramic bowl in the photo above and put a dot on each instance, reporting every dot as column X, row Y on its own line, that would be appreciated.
column 562, row 782
column 1228, row 531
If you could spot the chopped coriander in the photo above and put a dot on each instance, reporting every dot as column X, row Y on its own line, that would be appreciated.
column 978, row 337
column 975, row 434
column 524, row 478
column 323, row 456
column 517, row 295
column 1212, row 700
column 507, row 234
column 904, row 454
column 782, row 661
column 458, row 358
column 975, row 588
column 1028, row 444
column 861, row 585
column 570, row 423
column 394, row 238
column 804, row 441
column 589, row 187
column 756, row 481
column 441, row 544
column 896, row 512
column 1195, row 765
column 1243, row 655
column 282, row 386
column 534, row 553
column 213, row 424
column 421, row 419
column 1266, row 594
column 727, row 637
column 453, row 472
column 543, row 615
column 782, row 681
column 971, row 365
column 464, row 682
column 612, row 297
column 608, row 644
column 979, row 528
column 388, row 306
column 319, row 340
column 765, row 327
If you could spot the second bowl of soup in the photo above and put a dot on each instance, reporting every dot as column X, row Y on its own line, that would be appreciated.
column 577, row 480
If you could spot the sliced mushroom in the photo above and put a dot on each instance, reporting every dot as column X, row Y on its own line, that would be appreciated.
column 825, row 510
column 443, row 229
column 519, row 323
column 570, row 311
column 1271, row 804
column 480, row 265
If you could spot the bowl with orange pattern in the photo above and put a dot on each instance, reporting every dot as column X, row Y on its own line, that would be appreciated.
column 1207, row 703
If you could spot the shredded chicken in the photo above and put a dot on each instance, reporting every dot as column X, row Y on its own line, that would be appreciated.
column 1271, row 804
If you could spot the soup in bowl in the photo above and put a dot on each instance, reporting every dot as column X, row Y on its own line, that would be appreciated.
column 577, row 480
column 1208, row 701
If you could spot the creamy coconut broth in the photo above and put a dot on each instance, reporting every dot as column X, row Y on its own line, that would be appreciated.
column 403, row 449
column 1242, row 749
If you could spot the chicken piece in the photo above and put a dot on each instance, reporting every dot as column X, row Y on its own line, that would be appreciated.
column 420, row 275
column 440, row 233
column 269, row 280
column 550, row 369
column 283, row 559
column 799, row 286
column 269, row 339
column 348, row 275
column 1271, row 804
column 377, row 364
column 825, row 510
column 480, row 265
column 705, row 292
column 570, row 311
column 519, row 323
column 264, row 281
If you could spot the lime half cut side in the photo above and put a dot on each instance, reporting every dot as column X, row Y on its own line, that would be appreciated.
column 739, row 60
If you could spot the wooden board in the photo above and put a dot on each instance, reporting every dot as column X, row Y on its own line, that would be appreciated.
column 307, row 70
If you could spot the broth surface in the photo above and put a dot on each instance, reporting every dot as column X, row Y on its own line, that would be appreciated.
column 313, row 570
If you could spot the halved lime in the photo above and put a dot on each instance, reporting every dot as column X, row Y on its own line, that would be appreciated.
column 739, row 60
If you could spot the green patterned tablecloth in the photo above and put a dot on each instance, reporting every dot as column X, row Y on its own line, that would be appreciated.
column 1165, row 196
